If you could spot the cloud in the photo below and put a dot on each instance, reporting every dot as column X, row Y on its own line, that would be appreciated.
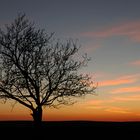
column 129, row 29
column 119, row 81
column 126, row 90
column 100, row 74
column 112, row 109
column 113, row 104
column 95, row 102
column 103, row 105
column 89, row 48
column 95, row 107
column 135, row 63
column 126, row 98
column 118, row 110
column 106, row 103
column 138, row 114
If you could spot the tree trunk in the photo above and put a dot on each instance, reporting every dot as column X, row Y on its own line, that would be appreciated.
column 37, row 115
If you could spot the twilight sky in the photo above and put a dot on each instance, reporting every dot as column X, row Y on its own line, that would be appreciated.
column 109, row 32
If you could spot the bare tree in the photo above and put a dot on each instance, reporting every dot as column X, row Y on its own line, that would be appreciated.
column 37, row 70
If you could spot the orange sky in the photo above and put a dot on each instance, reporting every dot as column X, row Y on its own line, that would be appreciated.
column 117, row 108
column 109, row 32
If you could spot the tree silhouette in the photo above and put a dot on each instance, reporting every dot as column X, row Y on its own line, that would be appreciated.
column 38, row 70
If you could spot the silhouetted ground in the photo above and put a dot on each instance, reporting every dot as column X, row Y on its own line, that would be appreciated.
column 70, row 130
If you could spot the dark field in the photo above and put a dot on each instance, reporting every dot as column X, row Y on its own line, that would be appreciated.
column 70, row 130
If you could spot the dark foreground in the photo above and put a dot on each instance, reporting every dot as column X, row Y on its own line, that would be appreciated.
column 70, row 130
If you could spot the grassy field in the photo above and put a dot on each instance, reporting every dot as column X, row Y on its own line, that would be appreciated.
column 71, row 130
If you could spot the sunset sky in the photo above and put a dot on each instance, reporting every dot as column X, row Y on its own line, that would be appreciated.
column 109, row 32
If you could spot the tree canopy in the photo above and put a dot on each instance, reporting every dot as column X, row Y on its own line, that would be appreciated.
column 38, row 70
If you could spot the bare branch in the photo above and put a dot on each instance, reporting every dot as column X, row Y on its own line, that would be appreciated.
column 38, row 70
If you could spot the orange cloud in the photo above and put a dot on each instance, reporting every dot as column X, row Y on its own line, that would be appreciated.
column 119, row 81
column 95, row 102
column 103, row 105
column 131, row 30
column 126, row 90
column 135, row 63
column 118, row 110
column 99, row 102
column 127, row 98
column 107, row 102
